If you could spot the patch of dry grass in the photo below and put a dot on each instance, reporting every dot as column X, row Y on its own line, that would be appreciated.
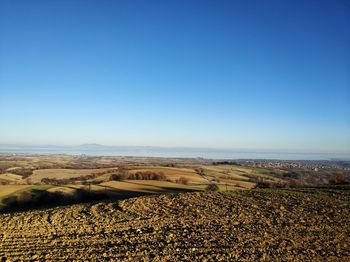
column 10, row 177
column 62, row 173
column 6, row 190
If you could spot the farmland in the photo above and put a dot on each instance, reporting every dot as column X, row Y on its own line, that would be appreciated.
column 115, row 176
column 259, row 225
column 62, row 207
column 63, row 173
column 7, row 190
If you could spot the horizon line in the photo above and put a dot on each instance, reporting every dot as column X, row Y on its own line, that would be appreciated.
column 233, row 149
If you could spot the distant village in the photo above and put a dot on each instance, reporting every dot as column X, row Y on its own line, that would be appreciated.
column 308, row 164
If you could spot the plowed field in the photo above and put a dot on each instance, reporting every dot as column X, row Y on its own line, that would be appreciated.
column 255, row 225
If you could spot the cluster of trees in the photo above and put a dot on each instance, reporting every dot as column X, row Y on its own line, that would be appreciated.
column 140, row 175
column 3, row 168
column 218, row 163
column 147, row 175
column 24, row 172
column 170, row 165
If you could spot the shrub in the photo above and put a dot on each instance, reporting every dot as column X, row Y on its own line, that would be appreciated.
column 92, row 182
column 267, row 183
column 200, row 171
column 270, row 184
column 291, row 175
column 182, row 180
column 297, row 183
column 95, row 182
column 264, row 184
column 212, row 187
column 118, row 177
column 337, row 179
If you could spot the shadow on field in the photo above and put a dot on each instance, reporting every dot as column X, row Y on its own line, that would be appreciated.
column 38, row 199
column 159, row 189
column 41, row 199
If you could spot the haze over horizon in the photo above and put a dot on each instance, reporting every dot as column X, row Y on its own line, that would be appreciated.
column 256, row 75
column 166, row 151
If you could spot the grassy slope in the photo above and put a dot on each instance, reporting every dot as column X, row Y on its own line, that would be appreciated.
column 10, row 177
column 61, row 173
column 12, row 190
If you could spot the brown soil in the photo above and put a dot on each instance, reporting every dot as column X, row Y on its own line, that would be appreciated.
column 256, row 225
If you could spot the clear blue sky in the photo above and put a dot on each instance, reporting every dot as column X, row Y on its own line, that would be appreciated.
column 232, row 74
